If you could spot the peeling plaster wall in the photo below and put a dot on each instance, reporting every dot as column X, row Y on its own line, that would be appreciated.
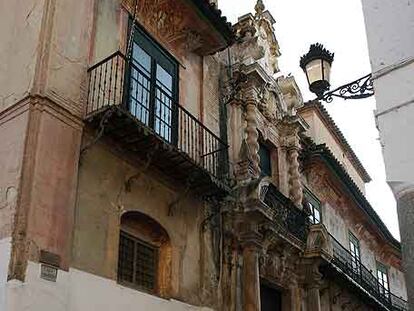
column 397, row 283
column 20, row 23
column 321, row 135
column 107, row 27
column 335, row 224
column 13, row 128
column 53, row 188
column 211, row 93
column 64, row 74
column 12, row 136
column 101, row 199
column 79, row 291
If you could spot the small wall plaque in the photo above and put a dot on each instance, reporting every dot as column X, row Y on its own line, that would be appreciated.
column 48, row 273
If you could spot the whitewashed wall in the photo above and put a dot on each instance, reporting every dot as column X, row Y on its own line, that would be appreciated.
column 390, row 32
column 5, row 249
column 79, row 291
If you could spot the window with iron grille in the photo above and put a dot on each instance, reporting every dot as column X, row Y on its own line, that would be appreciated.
column 137, row 263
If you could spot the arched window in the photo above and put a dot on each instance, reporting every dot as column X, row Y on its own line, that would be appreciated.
column 144, row 260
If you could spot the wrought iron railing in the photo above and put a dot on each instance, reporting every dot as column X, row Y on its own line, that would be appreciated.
column 284, row 213
column 117, row 82
column 353, row 268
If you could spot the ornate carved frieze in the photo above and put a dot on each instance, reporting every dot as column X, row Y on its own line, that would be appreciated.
column 176, row 24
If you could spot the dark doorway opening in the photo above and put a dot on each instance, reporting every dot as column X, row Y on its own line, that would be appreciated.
column 271, row 298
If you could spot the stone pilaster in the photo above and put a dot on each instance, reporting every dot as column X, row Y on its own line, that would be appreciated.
column 251, row 245
column 313, row 281
column 251, row 278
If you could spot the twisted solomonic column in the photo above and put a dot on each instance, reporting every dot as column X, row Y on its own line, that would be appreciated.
column 295, row 185
column 252, row 138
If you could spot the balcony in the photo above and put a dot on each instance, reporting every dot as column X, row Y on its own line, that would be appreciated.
column 355, row 270
column 159, row 131
column 289, row 219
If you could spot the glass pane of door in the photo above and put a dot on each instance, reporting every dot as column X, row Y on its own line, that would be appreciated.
column 140, row 85
column 164, row 103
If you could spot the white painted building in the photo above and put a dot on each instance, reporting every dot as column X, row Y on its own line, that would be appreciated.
column 390, row 32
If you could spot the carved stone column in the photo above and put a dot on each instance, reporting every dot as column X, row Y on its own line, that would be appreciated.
column 252, row 136
column 251, row 276
column 295, row 185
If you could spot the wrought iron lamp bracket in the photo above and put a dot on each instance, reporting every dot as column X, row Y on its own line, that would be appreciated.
column 361, row 88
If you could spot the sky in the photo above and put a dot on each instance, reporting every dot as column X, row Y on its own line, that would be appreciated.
column 339, row 26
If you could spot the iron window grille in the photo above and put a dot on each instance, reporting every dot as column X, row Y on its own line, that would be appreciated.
column 137, row 263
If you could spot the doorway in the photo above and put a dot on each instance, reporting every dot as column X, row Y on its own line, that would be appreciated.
column 271, row 298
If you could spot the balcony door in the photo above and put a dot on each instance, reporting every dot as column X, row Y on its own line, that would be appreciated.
column 355, row 253
column 152, row 94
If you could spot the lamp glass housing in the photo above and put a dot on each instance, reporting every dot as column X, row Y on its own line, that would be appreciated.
column 317, row 66
column 318, row 70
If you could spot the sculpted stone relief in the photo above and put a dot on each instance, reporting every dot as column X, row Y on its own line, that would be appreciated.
column 279, row 266
column 169, row 20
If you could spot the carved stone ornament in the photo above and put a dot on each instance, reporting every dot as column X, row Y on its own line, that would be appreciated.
column 292, row 96
column 319, row 243
column 257, row 41
column 173, row 22
column 279, row 266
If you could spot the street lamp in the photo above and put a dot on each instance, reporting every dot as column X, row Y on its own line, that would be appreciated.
column 317, row 66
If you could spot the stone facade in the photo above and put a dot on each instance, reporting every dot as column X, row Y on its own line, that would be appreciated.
column 75, row 179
